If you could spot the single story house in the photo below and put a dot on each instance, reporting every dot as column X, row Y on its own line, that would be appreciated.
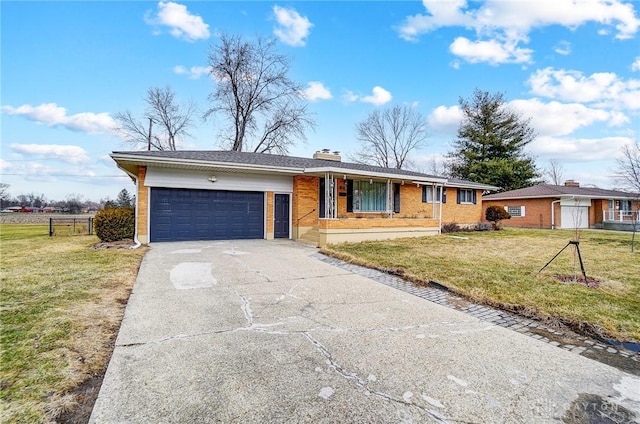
column 215, row 195
column 566, row 206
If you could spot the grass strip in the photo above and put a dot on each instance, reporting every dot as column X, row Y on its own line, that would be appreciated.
column 61, row 303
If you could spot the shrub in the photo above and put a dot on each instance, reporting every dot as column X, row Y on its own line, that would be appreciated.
column 114, row 224
column 451, row 227
column 495, row 214
column 483, row 226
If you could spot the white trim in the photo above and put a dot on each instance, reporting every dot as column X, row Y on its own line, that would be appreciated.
column 148, row 214
column 265, row 214
column 150, row 161
column 202, row 180
column 361, row 173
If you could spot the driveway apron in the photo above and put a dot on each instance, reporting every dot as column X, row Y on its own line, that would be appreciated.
column 261, row 331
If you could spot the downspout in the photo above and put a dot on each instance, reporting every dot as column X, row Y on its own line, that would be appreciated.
column 441, row 207
column 135, row 220
column 553, row 214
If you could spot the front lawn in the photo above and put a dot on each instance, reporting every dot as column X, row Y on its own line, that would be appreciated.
column 500, row 268
column 61, row 303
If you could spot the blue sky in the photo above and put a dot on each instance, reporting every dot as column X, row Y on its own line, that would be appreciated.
column 68, row 67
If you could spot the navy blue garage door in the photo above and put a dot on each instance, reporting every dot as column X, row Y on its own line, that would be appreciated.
column 180, row 215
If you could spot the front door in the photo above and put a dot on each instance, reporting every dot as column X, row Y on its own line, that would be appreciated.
column 281, row 216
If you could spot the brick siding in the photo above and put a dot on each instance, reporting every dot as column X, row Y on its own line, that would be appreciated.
column 143, row 205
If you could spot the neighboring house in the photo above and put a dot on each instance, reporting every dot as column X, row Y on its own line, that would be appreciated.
column 216, row 195
column 566, row 206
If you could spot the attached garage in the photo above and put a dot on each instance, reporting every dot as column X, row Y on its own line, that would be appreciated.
column 574, row 217
column 186, row 214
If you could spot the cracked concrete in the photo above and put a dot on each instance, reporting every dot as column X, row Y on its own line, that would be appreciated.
column 275, row 335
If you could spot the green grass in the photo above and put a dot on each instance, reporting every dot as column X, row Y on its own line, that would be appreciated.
column 500, row 268
column 61, row 303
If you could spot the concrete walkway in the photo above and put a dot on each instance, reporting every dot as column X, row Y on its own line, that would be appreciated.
column 263, row 331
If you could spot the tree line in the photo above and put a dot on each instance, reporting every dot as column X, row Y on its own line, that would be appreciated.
column 263, row 110
column 72, row 203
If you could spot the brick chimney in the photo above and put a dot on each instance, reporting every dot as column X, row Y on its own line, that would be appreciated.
column 571, row 183
column 327, row 154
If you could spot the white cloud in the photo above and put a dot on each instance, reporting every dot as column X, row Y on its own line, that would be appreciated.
column 350, row 96
column 558, row 119
column 604, row 89
column 501, row 26
column 66, row 153
column 553, row 119
column 492, row 51
column 181, row 23
column 563, row 48
column 293, row 29
column 52, row 115
column 4, row 165
column 445, row 120
column 635, row 66
column 577, row 149
column 194, row 72
column 316, row 91
column 521, row 16
column 378, row 97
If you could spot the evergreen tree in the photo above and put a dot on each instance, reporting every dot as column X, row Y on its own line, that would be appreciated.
column 124, row 199
column 491, row 142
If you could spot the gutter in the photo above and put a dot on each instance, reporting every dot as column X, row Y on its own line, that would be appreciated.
column 358, row 172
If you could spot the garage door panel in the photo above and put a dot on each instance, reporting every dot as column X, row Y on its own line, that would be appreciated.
column 181, row 214
column 574, row 217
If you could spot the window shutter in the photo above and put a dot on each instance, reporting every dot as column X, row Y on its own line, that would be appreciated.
column 458, row 201
column 444, row 195
column 424, row 194
column 396, row 198
column 349, row 195
column 475, row 196
column 522, row 211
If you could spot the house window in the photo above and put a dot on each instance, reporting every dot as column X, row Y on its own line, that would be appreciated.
column 625, row 205
column 369, row 196
column 431, row 194
column 515, row 211
column 466, row 196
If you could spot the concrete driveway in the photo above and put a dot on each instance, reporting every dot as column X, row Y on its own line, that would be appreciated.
column 263, row 331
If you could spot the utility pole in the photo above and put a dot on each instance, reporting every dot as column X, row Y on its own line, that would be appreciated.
column 149, row 138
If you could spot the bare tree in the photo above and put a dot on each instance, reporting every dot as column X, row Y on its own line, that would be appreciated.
column 172, row 120
column 437, row 166
column 628, row 167
column 554, row 172
column 388, row 136
column 628, row 174
column 265, row 109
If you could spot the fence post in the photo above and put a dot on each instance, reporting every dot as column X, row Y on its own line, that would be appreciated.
column 50, row 227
